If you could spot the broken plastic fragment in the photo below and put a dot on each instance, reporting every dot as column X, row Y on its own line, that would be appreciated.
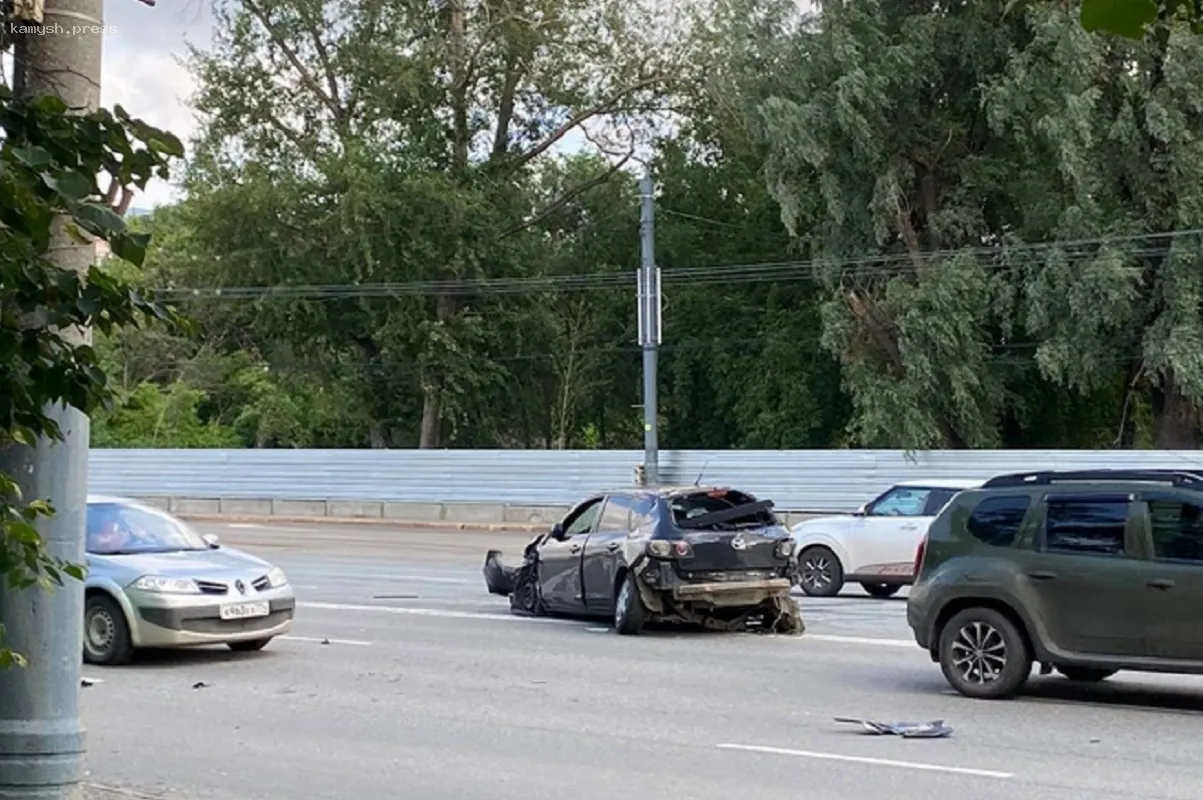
column 907, row 730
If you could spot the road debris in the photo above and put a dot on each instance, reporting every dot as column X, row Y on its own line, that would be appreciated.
column 199, row 685
column 86, row 682
column 907, row 730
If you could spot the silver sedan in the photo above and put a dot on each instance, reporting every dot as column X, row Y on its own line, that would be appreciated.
column 155, row 582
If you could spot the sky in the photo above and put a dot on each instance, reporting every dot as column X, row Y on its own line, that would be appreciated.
column 143, row 51
column 143, row 71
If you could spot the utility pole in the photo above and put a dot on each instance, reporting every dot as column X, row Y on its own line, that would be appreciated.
column 42, row 739
column 648, row 278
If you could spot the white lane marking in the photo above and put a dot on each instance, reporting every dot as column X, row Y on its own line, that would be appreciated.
column 822, row 637
column 358, row 576
column 354, row 642
column 244, row 525
column 448, row 614
column 92, row 680
column 880, row 762
column 597, row 630
column 434, row 612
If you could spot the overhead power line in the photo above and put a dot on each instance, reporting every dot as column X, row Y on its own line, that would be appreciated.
column 990, row 258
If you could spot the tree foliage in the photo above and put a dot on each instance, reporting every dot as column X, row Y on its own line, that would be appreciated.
column 880, row 224
column 50, row 165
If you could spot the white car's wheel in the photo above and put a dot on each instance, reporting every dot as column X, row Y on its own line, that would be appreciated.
column 820, row 573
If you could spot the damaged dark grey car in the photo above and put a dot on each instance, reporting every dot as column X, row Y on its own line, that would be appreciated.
column 714, row 557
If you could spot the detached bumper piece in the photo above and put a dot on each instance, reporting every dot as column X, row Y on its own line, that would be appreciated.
column 499, row 579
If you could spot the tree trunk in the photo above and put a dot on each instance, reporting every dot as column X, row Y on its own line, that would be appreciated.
column 1175, row 417
column 376, row 438
column 432, row 418
column 431, row 436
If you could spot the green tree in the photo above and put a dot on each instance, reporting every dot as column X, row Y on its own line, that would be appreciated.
column 51, row 165
column 927, row 152
column 382, row 142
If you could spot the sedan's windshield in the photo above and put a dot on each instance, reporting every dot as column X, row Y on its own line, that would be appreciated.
column 119, row 529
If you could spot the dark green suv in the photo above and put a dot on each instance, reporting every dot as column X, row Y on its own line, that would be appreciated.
column 1087, row 573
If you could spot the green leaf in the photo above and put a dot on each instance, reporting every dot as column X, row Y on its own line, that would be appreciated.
column 98, row 219
column 10, row 658
column 1127, row 18
column 73, row 186
column 33, row 157
column 131, row 246
column 23, row 435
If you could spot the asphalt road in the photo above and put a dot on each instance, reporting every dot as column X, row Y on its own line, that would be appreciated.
column 429, row 690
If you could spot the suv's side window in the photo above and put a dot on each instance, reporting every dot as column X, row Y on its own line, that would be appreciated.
column 1086, row 526
column 901, row 501
column 1177, row 530
column 996, row 520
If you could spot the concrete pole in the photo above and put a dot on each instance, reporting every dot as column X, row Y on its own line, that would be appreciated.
column 650, row 314
column 42, row 740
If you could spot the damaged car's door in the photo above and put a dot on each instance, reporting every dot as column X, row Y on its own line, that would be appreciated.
column 603, row 553
column 561, row 555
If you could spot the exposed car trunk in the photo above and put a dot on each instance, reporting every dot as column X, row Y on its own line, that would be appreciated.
column 730, row 533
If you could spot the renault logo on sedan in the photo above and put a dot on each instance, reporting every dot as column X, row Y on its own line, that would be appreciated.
column 738, row 542
column 240, row 586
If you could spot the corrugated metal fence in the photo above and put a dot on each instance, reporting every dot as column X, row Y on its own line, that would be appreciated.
column 794, row 479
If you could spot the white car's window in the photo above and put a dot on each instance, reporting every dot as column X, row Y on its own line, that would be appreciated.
column 119, row 529
column 901, row 501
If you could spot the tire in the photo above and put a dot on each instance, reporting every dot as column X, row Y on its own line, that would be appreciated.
column 106, row 632
column 820, row 573
column 1086, row 674
column 982, row 637
column 629, row 613
column 250, row 646
column 881, row 589
column 527, row 598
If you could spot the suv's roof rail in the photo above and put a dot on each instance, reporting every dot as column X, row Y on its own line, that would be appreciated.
column 1045, row 477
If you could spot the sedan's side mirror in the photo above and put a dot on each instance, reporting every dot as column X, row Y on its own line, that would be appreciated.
column 861, row 510
column 557, row 531
column 211, row 540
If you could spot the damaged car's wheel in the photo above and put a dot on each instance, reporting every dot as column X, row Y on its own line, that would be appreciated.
column 629, row 613
column 527, row 598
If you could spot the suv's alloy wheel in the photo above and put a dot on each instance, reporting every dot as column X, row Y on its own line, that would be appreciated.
column 983, row 654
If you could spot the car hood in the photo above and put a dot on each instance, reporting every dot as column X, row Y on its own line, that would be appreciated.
column 180, row 564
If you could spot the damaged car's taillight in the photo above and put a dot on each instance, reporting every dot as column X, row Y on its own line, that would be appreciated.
column 668, row 548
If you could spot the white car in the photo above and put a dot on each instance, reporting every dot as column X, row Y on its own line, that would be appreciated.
column 875, row 545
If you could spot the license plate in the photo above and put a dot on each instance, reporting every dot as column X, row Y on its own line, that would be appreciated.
column 245, row 611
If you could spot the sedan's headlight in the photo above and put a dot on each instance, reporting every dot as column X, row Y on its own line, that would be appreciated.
column 155, row 583
column 277, row 578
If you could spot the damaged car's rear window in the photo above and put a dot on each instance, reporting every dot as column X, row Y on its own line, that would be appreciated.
column 690, row 507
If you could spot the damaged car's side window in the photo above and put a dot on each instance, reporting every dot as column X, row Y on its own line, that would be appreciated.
column 616, row 516
column 582, row 522
column 643, row 511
